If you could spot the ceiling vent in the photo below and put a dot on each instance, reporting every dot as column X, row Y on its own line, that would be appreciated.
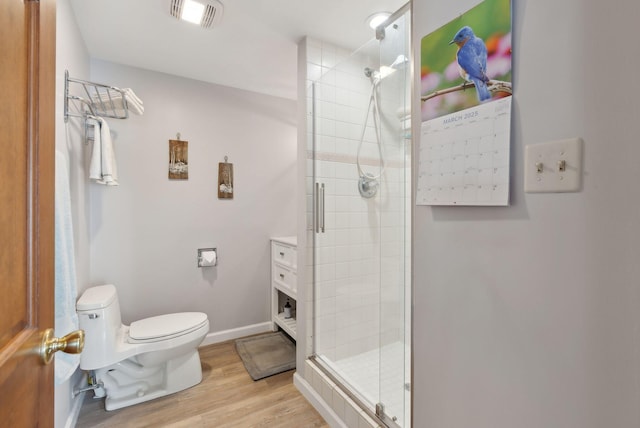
column 205, row 13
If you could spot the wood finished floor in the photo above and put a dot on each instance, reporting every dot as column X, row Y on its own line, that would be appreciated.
column 226, row 397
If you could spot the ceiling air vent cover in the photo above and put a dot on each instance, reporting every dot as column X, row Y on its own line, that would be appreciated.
column 212, row 11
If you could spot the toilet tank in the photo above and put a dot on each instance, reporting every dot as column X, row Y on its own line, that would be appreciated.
column 98, row 312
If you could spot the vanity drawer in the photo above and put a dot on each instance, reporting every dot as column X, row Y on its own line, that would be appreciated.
column 284, row 276
column 284, row 254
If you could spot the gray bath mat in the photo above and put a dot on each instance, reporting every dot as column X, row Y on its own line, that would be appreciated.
column 267, row 354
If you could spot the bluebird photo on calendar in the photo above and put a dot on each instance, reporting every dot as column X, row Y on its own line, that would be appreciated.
column 467, row 62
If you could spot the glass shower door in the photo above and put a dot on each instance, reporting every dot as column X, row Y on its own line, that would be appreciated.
column 347, row 233
column 361, row 199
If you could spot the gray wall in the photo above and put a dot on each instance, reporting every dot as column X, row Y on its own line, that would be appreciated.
column 529, row 315
column 145, row 233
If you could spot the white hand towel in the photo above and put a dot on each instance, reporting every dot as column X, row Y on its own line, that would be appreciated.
column 103, row 168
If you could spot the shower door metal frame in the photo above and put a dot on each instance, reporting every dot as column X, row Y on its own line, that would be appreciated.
column 381, row 34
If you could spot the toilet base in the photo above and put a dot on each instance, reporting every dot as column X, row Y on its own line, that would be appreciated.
column 127, row 383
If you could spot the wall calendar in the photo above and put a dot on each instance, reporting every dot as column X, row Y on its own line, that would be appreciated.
column 466, row 93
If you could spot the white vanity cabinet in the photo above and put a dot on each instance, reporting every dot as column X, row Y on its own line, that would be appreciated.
column 284, row 283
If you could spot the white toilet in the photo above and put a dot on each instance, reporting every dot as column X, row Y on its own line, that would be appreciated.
column 150, row 358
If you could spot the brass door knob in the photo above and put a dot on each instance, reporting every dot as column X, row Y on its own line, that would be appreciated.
column 72, row 343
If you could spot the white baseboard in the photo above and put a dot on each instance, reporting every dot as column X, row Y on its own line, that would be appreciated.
column 235, row 333
column 317, row 402
column 76, row 404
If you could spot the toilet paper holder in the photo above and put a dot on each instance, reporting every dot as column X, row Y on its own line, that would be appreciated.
column 207, row 257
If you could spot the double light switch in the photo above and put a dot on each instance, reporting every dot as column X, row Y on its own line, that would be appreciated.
column 555, row 166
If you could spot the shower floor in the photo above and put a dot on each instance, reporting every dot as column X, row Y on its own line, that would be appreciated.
column 388, row 388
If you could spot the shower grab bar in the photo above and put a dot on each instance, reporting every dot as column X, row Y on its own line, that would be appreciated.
column 319, row 211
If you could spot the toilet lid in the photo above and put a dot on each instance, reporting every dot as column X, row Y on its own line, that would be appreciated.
column 166, row 325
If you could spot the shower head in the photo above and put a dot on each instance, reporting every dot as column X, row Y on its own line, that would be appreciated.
column 368, row 71
column 401, row 60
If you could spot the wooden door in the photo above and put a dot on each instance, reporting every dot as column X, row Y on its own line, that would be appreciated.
column 27, row 84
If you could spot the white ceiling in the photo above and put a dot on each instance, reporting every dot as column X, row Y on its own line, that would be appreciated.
column 254, row 47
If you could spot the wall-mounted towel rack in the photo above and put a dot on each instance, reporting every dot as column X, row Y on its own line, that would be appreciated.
column 98, row 100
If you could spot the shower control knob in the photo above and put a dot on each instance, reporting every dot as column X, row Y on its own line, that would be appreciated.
column 72, row 343
column 368, row 185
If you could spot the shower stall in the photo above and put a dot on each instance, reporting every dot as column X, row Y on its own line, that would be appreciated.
column 361, row 199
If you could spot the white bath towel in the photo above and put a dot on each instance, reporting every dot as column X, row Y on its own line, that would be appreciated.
column 102, row 168
column 104, row 102
column 132, row 97
column 134, row 104
column 65, row 271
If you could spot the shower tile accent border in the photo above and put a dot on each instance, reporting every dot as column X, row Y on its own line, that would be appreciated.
column 350, row 159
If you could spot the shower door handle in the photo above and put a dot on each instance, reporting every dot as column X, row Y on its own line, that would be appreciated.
column 319, row 207
column 322, row 207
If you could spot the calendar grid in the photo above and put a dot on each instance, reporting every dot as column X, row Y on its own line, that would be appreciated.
column 464, row 157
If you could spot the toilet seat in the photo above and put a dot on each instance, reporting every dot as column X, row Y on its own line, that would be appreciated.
column 165, row 327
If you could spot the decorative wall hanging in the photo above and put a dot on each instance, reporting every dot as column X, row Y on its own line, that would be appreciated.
column 225, row 180
column 178, row 159
column 466, row 109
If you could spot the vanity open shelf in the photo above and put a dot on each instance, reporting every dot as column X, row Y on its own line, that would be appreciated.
column 284, row 283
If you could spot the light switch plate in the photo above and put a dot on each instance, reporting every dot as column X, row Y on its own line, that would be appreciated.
column 554, row 166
